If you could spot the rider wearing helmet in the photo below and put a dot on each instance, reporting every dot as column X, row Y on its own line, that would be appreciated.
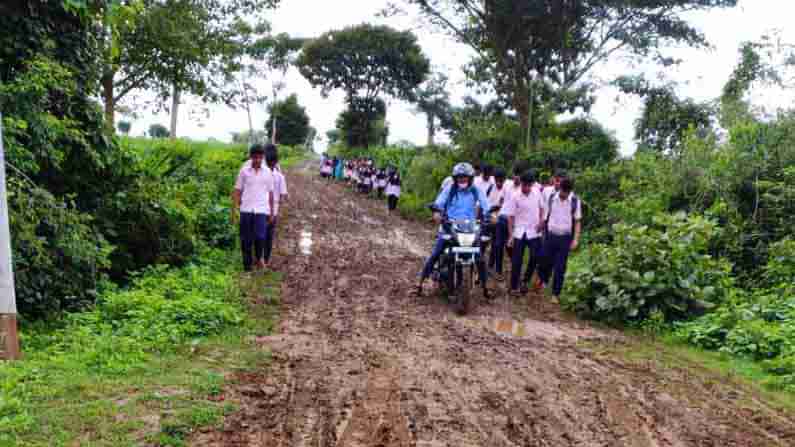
column 458, row 201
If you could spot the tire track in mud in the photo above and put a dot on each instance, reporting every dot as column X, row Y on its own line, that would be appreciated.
column 360, row 362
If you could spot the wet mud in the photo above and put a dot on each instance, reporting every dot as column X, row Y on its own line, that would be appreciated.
column 358, row 360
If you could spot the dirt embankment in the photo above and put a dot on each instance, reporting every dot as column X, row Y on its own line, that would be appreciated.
column 359, row 361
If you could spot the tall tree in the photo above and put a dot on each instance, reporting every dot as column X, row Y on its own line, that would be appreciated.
column 366, row 62
column 292, row 125
column 434, row 101
column 524, row 45
column 666, row 118
column 172, row 47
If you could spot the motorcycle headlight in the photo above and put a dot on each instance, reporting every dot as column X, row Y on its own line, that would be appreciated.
column 466, row 240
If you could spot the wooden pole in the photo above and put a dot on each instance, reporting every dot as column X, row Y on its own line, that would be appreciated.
column 9, row 340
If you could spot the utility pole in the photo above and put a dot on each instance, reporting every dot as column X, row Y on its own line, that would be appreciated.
column 9, row 340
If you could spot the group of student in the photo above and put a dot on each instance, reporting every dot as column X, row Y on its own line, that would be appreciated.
column 258, row 192
column 364, row 176
column 524, row 216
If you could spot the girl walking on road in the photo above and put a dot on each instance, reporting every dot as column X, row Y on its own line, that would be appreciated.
column 393, row 192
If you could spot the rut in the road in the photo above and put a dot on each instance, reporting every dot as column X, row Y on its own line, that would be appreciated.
column 358, row 361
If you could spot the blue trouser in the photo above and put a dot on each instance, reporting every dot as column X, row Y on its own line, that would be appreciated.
column 556, row 254
column 253, row 234
column 438, row 248
column 498, row 248
column 519, row 246
column 270, row 233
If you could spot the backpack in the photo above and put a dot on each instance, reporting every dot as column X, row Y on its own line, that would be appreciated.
column 575, row 201
column 454, row 192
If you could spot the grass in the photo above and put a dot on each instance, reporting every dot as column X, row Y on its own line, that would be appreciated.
column 147, row 364
column 165, row 399
column 665, row 353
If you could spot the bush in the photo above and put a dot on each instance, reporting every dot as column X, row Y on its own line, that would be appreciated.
column 661, row 267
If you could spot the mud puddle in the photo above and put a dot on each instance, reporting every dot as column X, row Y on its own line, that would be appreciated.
column 359, row 361
column 306, row 242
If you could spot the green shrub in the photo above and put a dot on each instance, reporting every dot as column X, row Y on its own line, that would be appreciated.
column 661, row 267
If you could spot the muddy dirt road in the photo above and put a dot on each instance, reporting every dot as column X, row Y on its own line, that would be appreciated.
column 359, row 361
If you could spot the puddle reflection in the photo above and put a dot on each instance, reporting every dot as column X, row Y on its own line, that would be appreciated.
column 306, row 242
column 509, row 327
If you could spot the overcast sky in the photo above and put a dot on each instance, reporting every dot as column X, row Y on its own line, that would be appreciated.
column 701, row 75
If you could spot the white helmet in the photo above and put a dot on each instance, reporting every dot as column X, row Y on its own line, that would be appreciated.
column 463, row 169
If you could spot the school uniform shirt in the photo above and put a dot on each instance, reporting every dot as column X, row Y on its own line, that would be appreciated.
column 559, row 215
column 510, row 191
column 483, row 185
column 548, row 191
column 445, row 183
column 393, row 189
column 497, row 195
column 279, row 190
column 526, row 210
column 255, row 186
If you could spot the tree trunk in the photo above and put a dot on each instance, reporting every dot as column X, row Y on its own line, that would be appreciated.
column 110, row 103
column 174, row 111
column 431, row 128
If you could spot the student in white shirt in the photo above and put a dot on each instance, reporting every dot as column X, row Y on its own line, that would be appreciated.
column 563, row 227
column 279, row 195
column 393, row 192
column 497, row 199
column 484, row 181
column 525, row 214
column 253, row 198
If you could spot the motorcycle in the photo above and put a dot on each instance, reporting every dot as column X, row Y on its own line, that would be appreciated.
column 457, row 267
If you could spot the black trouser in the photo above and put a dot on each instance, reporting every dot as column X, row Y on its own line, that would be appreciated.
column 519, row 246
column 392, row 202
column 253, row 234
column 498, row 247
column 555, row 256
column 270, row 233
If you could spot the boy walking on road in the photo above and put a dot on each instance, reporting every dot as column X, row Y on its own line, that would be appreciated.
column 253, row 198
column 563, row 227
column 525, row 213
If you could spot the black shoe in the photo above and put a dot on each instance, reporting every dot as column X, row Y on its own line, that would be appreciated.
column 524, row 289
column 486, row 294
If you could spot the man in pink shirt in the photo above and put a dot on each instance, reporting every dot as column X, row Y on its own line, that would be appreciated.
column 253, row 198
column 525, row 213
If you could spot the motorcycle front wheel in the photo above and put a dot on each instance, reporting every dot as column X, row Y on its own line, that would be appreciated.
column 466, row 283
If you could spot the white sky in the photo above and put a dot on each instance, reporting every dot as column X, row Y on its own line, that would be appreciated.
column 701, row 75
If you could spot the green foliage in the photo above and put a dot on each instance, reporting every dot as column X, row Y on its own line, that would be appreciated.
column 663, row 267
column 366, row 60
column 158, row 131
column 292, row 122
column 124, row 127
column 363, row 123
column 666, row 119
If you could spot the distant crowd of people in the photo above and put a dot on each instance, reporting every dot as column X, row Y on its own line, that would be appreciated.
column 536, row 224
column 364, row 176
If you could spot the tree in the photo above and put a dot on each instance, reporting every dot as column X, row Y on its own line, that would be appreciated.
column 666, row 119
column 363, row 123
column 263, row 56
column 366, row 62
column 171, row 47
column 124, row 127
column 158, row 131
column 434, row 101
column 292, row 125
column 522, row 46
